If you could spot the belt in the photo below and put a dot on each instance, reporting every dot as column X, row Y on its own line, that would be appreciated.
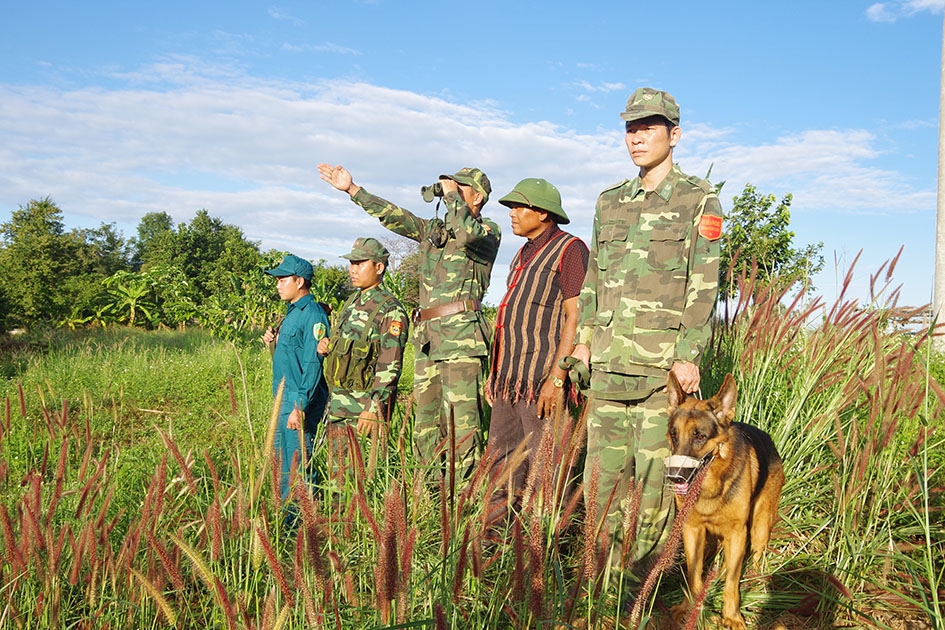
column 423, row 314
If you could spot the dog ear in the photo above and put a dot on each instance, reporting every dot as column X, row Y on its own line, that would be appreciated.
column 674, row 391
column 724, row 400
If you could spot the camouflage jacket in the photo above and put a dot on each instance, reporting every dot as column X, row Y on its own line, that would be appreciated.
column 365, row 353
column 651, row 284
column 456, row 258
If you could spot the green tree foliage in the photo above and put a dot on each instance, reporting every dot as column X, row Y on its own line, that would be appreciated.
column 205, row 250
column 756, row 233
column 331, row 284
column 49, row 273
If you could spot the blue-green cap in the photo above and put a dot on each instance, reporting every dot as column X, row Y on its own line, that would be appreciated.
column 293, row 266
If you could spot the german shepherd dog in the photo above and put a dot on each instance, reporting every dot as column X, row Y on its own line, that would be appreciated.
column 740, row 489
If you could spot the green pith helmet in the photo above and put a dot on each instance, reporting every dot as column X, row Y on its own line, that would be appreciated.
column 646, row 102
column 538, row 194
column 472, row 177
column 368, row 249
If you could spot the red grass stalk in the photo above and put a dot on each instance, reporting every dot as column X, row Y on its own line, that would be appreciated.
column 439, row 617
column 445, row 533
column 591, row 524
column 308, row 601
column 87, row 489
column 275, row 567
column 55, row 555
column 387, row 572
column 227, row 605
column 184, row 466
column 459, row 577
column 693, row 616
column 19, row 388
column 536, row 552
column 60, row 476
column 215, row 527
column 668, row 555
column 13, row 555
column 77, row 546
column 214, row 476
column 64, row 414
column 234, row 410
column 631, row 514
column 170, row 567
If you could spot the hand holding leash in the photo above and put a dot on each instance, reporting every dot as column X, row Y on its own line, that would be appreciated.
column 577, row 372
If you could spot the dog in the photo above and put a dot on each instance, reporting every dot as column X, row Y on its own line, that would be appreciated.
column 739, row 493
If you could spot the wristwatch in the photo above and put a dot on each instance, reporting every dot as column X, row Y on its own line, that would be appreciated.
column 557, row 382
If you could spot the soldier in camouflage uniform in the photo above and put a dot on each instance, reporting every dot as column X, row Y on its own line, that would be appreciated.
column 451, row 334
column 645, row 310
column 364, row 354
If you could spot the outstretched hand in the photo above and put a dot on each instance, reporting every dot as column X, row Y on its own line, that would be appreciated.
column 337, row 176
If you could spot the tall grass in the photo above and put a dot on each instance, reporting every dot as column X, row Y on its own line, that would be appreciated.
column 137, row 490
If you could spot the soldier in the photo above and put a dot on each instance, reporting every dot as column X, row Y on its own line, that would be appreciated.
column 296, row 363
column 535, row 327
column 645, row 310
column 451, row 334
column 364, row 354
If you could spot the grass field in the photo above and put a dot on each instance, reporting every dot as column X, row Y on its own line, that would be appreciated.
column 137, row 491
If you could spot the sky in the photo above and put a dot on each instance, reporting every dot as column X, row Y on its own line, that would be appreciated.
column 117, row 109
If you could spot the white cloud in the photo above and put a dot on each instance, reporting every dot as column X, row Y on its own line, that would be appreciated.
column 896, row 9
column 179, row 137
column 277, row 13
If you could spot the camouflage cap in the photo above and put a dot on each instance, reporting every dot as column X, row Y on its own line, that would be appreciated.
column 646, row 102
column 368, row 249
column 539, row 194
column 293, row 266
column 472, row 177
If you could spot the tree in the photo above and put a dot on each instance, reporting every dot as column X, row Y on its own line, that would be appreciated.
column 756, row 233
column 155, row 243
column 35, row 258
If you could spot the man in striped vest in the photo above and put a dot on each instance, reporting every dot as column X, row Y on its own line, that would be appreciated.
column 535, row 327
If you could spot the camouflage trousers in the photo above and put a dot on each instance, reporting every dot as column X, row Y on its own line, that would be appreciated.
column 441, row 390
column 627, row 440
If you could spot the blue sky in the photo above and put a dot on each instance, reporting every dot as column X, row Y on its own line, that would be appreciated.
column 117, row 109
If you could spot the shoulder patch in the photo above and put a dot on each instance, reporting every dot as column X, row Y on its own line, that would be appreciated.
column 395, row 328
column 319, row 330
column 710, row 226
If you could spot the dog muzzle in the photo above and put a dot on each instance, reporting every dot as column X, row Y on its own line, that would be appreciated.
column 682, row 469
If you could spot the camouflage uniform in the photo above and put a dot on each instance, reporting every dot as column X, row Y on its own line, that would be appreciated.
column 647, row 302
column 456, row 258
column 365, row 355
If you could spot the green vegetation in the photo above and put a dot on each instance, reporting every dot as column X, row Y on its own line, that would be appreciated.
column 136, row 490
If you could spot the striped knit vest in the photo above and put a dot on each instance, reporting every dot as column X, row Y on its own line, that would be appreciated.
column 528, row 323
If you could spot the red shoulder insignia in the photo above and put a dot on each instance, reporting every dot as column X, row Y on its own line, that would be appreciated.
column 710, row 226
column 394, row 329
